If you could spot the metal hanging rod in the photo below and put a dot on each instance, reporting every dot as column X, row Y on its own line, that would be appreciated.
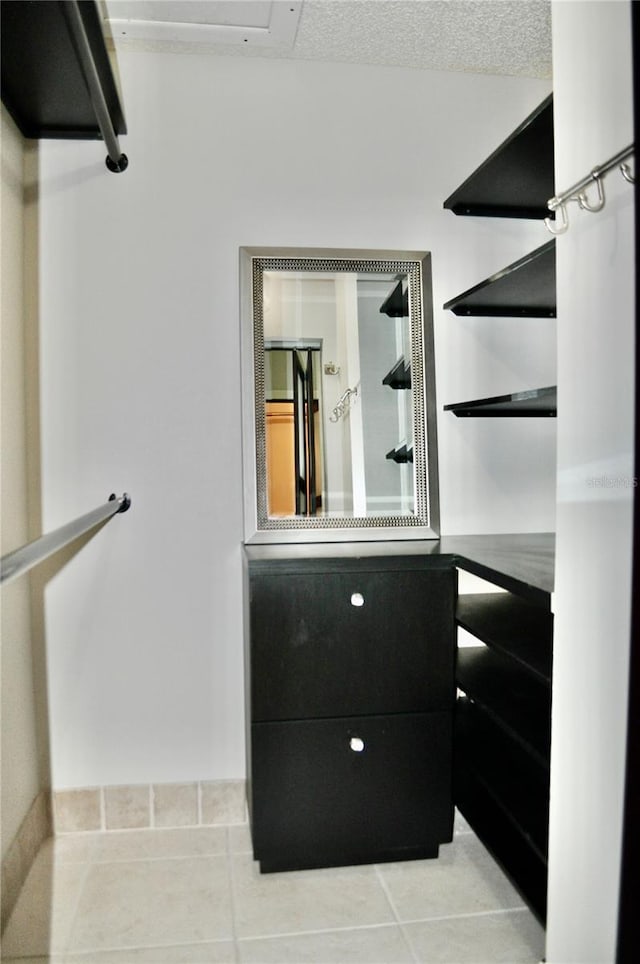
column 116, row 161
column 17, row 562
column 578, row 191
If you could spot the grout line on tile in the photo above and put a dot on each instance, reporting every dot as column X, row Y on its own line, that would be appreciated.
column 80, row 956
column 387, row 892
column 319, row 931
column 74, row 917
column 399, row 923
column 232, row 897
column 151, row 859
column 475, row 913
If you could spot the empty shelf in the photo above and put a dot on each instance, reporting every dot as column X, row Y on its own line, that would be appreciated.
column 526, row 288
column 516, row 180
column 397, row 304
column 513, row 627
column 517, row 784
column 521, row 706
column 400, row 454
column 399, row 376
column 537, row 402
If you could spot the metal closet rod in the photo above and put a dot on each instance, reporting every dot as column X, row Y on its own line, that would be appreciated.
column 17, row 562
column 571, row 194
column 116, row 161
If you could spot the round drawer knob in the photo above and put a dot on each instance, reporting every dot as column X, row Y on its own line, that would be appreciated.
column 356, row 744
column 357, row 599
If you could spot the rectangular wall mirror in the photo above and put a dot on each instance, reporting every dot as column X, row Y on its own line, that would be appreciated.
column 339, row 419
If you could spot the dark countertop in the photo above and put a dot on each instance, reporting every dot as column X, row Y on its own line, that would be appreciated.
column 522, row 563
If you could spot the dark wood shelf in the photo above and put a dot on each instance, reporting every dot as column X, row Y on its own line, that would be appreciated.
column 400, row 454
column 536, row 403
column 490, row 811
column 518, row 786
column 524, row 289
column 516, row 180
column 519, row 704
column 43, row 85
column 520, row 563
column 396, row 305
column 511, row 626
column 400, row 375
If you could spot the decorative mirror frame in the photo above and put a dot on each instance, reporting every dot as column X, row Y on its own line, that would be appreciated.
column 259, row 526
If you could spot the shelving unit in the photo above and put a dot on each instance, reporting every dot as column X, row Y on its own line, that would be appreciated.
column 503, row 733
column 503, row 717
column 534, row 403
column 526, row 288
column 516, row 180
column 398, row 378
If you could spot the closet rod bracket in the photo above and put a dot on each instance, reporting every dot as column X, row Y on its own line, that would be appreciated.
column 116, row 167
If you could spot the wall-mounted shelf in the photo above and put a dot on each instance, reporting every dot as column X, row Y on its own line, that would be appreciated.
column 536, row 403
column 526, row 288
column 397, row 303
column 400, row 454
column 43, row 79
column 399, row 376
column 516, row 180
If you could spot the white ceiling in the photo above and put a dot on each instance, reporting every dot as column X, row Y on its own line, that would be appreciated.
column 511, row 37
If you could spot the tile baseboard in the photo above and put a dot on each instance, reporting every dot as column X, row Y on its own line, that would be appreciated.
column 36, row 827
column 141, row 806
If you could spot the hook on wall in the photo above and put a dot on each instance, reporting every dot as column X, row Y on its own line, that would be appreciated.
column 555, row 227
column 625, row 170
column 344, row 403
column 595, row 206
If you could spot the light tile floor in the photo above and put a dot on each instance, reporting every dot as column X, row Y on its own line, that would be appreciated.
column 195, row 896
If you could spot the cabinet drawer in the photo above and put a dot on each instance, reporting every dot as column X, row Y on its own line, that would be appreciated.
column 330, row 792
column 354, row 642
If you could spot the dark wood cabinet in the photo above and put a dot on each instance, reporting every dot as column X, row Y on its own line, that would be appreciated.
column 350, row 668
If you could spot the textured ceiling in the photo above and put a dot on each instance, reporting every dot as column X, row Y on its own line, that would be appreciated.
column 511, row 37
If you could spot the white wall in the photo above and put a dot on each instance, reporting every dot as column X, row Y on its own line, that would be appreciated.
column 595, row 259
column 140, row 364
column 20, row 755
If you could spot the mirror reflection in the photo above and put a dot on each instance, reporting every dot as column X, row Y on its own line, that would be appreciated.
column 339, row 427
column 338, row 413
